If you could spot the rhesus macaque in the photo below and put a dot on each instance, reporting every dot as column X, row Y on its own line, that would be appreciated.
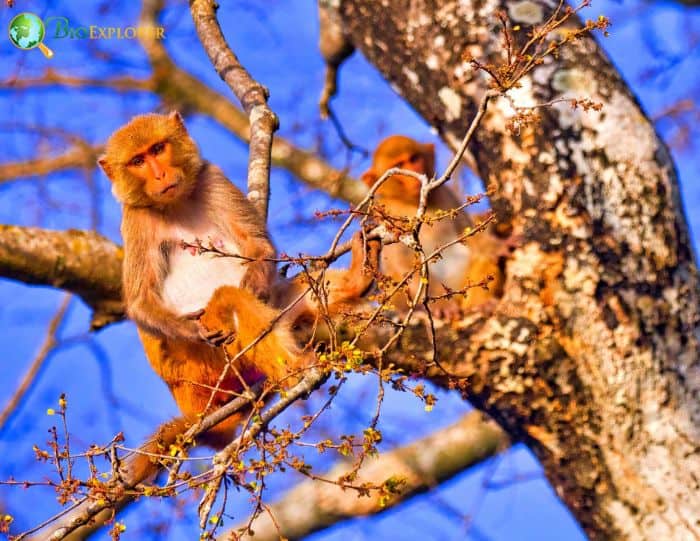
column 462, row 263
column 193, row 308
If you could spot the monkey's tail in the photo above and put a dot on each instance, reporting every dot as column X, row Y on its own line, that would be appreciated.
column 137, row 468
column 143, row 465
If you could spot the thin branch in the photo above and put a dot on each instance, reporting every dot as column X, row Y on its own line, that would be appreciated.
column 91, row 514
column 48, row 345
column 252, row 95
column 74, row 158
column 313, row 378
column 51, row 77
column 314, row 505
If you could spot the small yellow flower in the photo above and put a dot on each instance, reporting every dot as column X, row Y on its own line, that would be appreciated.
column 50, row 411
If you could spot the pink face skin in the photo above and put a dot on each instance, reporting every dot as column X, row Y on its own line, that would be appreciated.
column 162, row 182
column 413, row 162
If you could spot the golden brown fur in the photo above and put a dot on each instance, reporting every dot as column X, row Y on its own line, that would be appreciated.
column 343, row 288
column 185, row 302
column 468, row 262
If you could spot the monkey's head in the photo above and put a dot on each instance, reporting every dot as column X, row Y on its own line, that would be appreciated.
column 151, row 161
column 404, row 153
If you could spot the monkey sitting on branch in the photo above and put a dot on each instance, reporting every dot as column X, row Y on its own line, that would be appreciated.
column 206, row 325
column 474, row 259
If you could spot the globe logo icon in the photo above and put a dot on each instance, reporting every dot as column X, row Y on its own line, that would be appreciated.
column 27, row 32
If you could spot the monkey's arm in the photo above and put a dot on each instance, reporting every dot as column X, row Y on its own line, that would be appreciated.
column 343, row 287
column 351, row 284
column 144, row 271
column 248, row 229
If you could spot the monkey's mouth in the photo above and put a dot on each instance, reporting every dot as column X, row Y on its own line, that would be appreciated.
column 168, row 188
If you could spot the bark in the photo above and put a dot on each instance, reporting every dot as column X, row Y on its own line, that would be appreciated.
column 82, row 262
column 252, row 95
column 313, row 505
column 591, row 357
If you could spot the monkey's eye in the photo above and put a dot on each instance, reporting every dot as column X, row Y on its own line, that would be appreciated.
column 413, row 158
column 136, row 161
column 157, row 148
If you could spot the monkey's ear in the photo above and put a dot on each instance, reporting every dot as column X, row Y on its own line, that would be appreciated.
column 176, row 117
column 369, row 177
column 102, row 161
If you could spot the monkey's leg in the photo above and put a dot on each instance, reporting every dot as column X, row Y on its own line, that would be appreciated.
column 193, row 400
column 269, row 345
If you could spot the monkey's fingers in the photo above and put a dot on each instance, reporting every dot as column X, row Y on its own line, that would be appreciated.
column 374, row 248
column 194, row 315
column 217, row 337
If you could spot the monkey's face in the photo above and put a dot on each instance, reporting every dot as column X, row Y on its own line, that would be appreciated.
column 401, row 187
column 404, row 184
column 401, row 152
column 162, row 180
column 151, row 161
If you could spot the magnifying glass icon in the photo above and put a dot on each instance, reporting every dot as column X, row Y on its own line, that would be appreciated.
column 27, row 32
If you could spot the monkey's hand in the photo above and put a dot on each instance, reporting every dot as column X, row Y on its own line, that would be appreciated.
column 374, row 250
column 151, row 316
column 218, row 321
column 259, row 277
column 216, row 337
column 212, row 336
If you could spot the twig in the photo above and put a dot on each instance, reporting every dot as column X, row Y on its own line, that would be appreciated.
column 87, row 509
column 50, row 342
column 313, row 378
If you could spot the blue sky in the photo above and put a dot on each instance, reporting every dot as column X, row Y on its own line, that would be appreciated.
column 105, row 376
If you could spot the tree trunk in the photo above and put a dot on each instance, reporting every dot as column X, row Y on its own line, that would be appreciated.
column 591, row 357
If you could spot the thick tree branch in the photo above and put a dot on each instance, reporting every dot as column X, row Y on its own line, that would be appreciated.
column 81, row 262
column 592, row 357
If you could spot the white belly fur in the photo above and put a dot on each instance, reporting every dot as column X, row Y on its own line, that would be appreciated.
column 193, row 277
